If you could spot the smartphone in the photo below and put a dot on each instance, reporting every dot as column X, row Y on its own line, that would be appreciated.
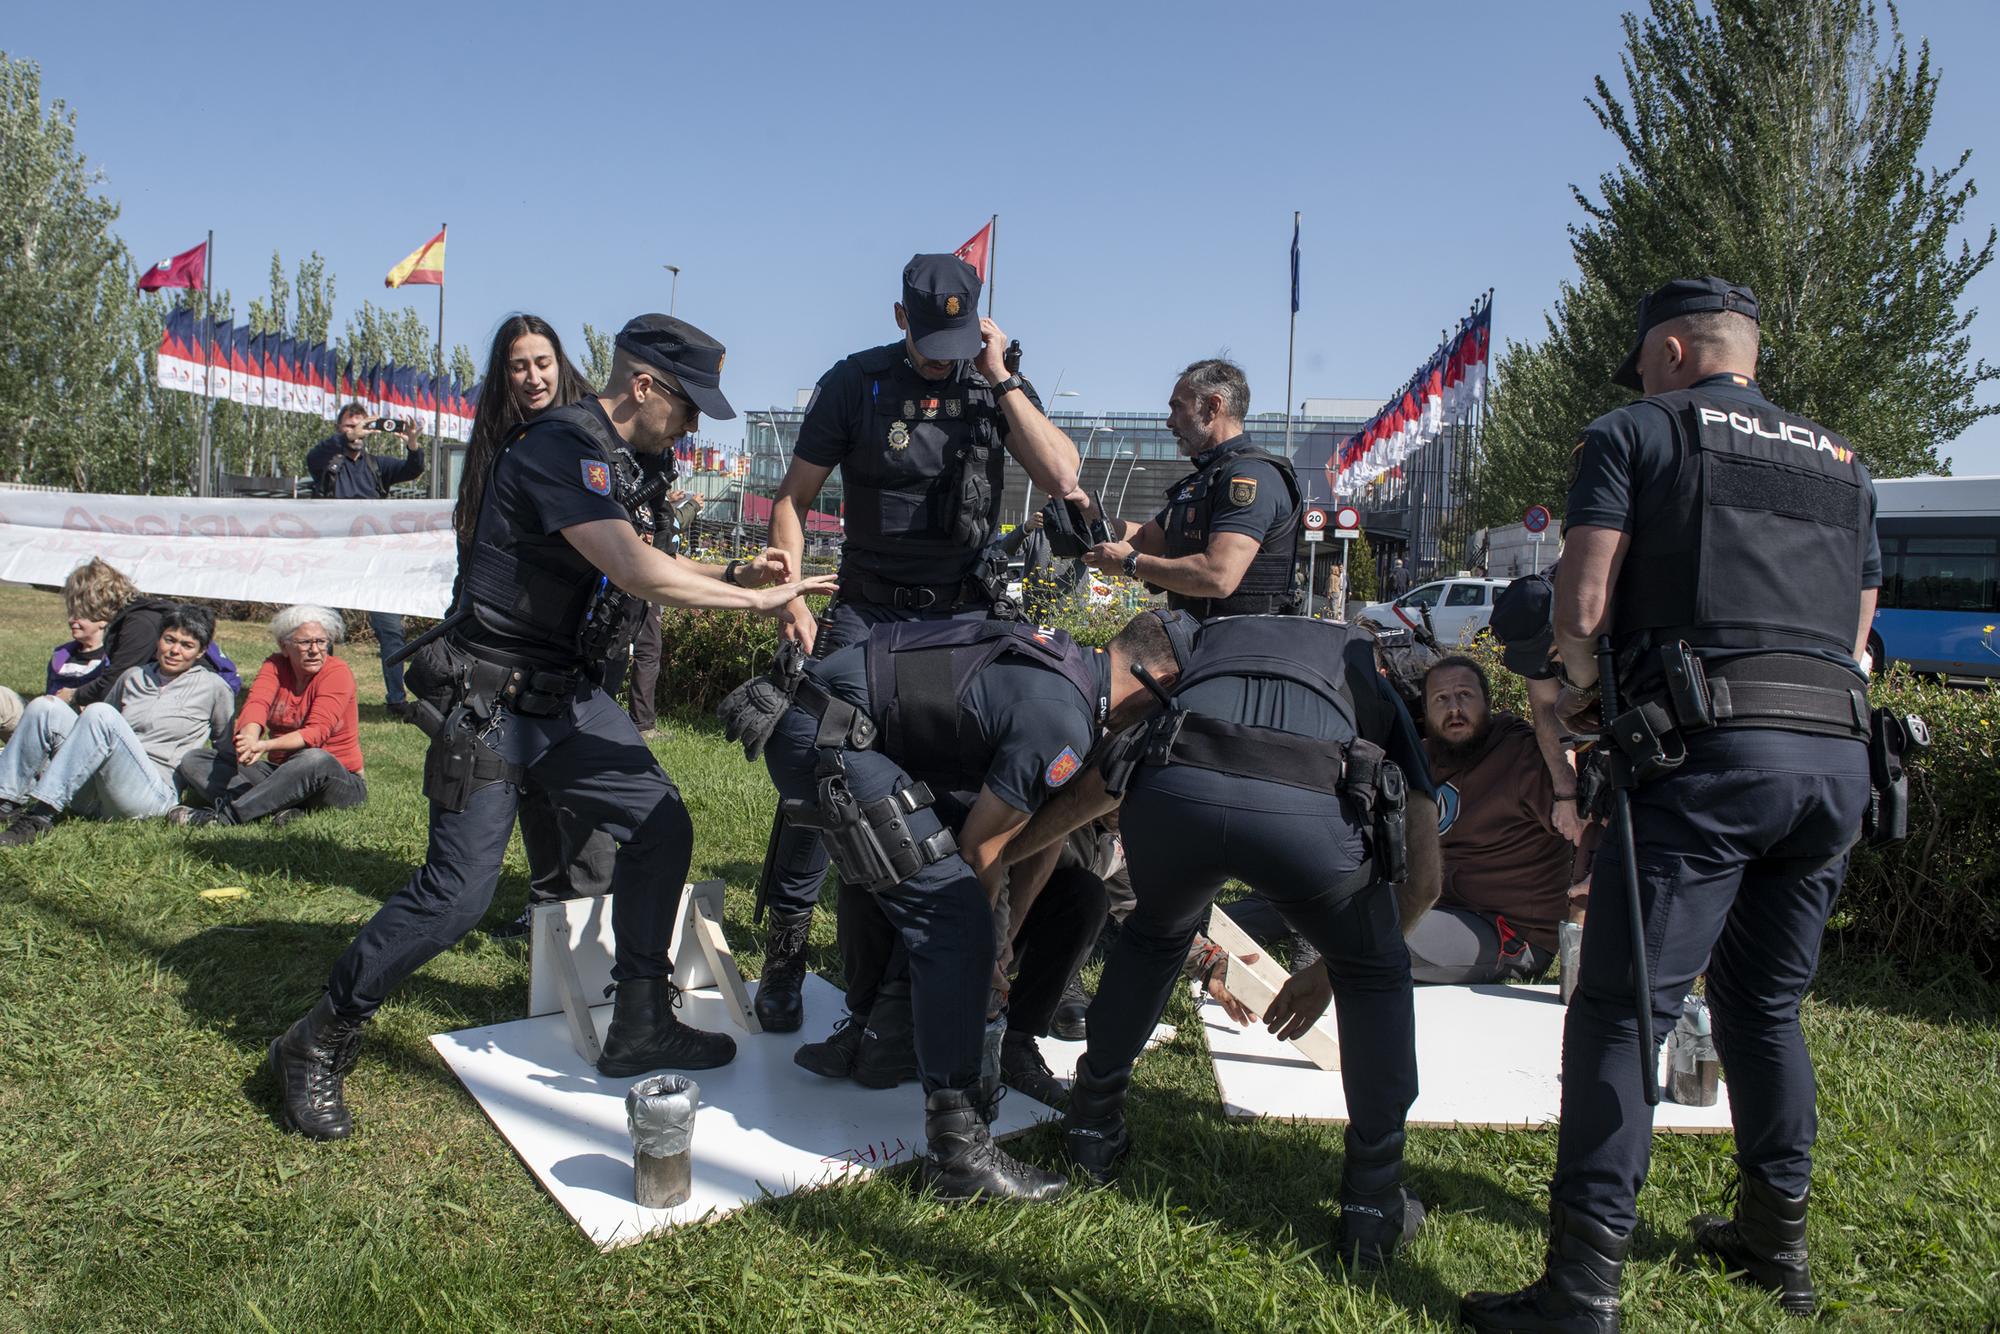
column 392, row 425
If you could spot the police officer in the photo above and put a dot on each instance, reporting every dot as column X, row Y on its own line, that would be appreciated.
column 996, row 716
column 1286, row 762
column 523, row 702
column 1227, row 542
column 919, row 429
column 1727, row 547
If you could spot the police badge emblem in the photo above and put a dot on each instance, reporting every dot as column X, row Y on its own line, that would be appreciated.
column 951, row 306
column 596, row 477
column 1242, row 490
column 909, row 407
column 899, row 436
column 952, row 408
column 1062, row 768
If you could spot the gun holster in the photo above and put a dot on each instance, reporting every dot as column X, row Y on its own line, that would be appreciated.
column 1890, row 738
column 870, row 843
column 459, row 763
column 1391, row 833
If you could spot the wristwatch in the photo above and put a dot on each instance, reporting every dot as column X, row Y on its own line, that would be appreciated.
column 1001, row 389
column 1131, row 564
column 729, row 572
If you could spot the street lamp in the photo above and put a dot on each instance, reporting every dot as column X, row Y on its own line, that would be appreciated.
column 1134, row 467
column 674, row 295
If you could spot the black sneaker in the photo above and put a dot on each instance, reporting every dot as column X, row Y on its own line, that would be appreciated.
column 833, row 1058
column 190, row 817
column 1023, row 1070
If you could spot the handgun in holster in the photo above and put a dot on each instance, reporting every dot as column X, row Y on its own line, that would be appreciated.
column 1392, row 835
column 1891, row 738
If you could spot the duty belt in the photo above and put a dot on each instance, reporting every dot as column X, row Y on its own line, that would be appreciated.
column 841, row 724
column 911, row 597
column 1236, row 604
column 1257, row 752
column 1786, row 691
column 533, row 691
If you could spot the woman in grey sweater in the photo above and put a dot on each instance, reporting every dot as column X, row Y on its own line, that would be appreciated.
column 116, row 760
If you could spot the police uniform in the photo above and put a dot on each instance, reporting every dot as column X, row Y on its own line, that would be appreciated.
column 1264, row 696
column 968, row 705
column 922, row 465
column 1752, row 538
column 1238, row 488
column 521, row 702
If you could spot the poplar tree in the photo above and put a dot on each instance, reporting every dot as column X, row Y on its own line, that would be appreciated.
column 1776, row 143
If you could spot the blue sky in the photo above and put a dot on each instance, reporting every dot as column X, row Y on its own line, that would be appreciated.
column 1145, row 160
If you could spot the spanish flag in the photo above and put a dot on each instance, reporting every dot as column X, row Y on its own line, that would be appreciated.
column 424, row 265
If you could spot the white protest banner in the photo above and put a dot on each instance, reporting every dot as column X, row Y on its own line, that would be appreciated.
column 368, row 555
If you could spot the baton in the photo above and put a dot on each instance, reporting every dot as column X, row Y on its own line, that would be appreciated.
column 427, row 636
column 1620, row 770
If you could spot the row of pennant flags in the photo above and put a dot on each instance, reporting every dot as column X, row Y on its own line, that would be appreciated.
column 1451, row 383
column 228, row 362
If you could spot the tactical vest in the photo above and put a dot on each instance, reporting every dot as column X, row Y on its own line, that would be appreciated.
column 927, row 469
column 1760, row 543
column 521, row 600
column 1309, row 653
column 919, row 673
column 1267, row 586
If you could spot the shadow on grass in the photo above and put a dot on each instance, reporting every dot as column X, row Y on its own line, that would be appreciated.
column 1948, row 990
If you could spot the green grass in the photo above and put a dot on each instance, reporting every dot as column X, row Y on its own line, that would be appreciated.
column 144, row 1185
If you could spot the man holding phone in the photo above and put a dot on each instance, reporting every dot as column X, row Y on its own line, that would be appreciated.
column 342, row 469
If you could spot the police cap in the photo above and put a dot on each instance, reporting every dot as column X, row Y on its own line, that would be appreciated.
column 684, row 352
column 1523, row 621
column 1682, row 296
column 941, row 301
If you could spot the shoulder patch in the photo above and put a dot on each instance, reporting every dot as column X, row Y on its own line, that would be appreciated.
column 1576, row 460
column 597, row 476
column 1242, row 490
column 1062, row 768
column 813, row 402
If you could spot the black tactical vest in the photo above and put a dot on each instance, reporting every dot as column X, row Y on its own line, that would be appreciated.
column 1267, row 586
column 1760, row 543
column 1310, row 653
column 925, row 476
column 919, row 673
column 514, row 596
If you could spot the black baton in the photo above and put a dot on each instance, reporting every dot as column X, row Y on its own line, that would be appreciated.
column 427, row 636
column 1620, row 769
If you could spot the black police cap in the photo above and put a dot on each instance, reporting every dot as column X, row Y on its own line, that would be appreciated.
column 941, row 301
column 684, row 352
column 1523, row 621
column 1682, row 296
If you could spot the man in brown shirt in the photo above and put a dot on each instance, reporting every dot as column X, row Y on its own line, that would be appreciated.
column 1506, row 865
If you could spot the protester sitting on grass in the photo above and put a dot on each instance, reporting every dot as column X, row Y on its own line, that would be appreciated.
column 93, row 594
column 116, row 760
column 298, row 740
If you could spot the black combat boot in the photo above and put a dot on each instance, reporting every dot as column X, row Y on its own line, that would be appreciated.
column 888, row 1054
column 1377, row 1216
column 1023, row 1070
column 834, row 1058
column 781, row 1007
column 1094, row 1134
column 311, row 1061
column 1765, row 1241
column 1071, row 1012
column 646, row 1034
column 963, row 1162
column 1576, row 1294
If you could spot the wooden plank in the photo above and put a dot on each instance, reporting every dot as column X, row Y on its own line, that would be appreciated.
column 722, row 963
column 1257, row 984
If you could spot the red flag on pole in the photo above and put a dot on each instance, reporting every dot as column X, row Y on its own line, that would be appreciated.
column 425, row 264
column 183, row 270
column 976, row 251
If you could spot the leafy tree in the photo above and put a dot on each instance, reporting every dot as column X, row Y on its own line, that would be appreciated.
column 597, row 356
column 1776, row 143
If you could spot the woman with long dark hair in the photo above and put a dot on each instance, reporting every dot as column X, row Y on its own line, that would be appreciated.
column 527, row 374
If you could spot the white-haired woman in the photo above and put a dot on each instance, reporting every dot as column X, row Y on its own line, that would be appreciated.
column 298, row 739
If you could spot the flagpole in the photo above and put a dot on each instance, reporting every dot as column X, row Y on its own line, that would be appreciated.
column 203, row 486
column 1292, row 338
column 992, row 260
column 437, row 416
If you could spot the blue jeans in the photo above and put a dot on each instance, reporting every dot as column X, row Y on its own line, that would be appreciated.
column 388, row 627
column 93, row 764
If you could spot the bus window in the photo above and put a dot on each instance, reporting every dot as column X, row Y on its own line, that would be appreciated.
column 1941, row 574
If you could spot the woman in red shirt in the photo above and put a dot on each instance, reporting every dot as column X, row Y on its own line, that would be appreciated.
column 298, row 738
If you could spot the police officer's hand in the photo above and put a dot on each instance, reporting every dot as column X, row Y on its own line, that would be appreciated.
column 1108, row 557
column 776, row 599
column 1299, row 1003
column 773, row 567
column 750, row 713
column 796, row 623
column 991, row 362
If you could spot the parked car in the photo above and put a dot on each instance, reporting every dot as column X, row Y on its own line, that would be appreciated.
column 1458, row 608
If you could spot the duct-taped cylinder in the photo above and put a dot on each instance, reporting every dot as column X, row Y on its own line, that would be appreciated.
column 660, row 1112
